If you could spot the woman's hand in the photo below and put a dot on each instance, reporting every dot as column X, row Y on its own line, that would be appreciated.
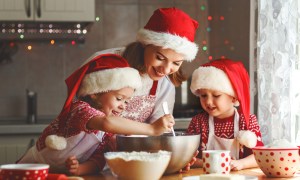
column 163, row 124
column 190, row 164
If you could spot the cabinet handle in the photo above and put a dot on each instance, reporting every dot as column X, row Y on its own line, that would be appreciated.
column 28, row 8
column 38, row 7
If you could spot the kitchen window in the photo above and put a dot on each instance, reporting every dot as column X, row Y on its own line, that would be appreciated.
column 276, row 69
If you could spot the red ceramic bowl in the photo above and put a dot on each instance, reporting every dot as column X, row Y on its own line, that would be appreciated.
column 277, row 162
column 24, row 171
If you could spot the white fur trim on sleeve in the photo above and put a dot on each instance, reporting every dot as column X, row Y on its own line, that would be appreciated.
column 247, row 138
column 56, row 142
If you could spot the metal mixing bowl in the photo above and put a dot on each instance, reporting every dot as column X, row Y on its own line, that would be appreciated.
column 183, row 146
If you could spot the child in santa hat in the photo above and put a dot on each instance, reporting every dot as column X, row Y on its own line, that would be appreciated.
column 222, row 85
column 103, row 87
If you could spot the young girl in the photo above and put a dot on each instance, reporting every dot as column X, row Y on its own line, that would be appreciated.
column 222, row 85
column 103, row 87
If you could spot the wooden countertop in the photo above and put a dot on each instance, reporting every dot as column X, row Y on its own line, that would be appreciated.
column 193, row 172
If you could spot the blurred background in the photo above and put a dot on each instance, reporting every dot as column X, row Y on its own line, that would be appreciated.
column 37, row 55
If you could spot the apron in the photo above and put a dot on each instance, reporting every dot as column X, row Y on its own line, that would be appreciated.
column 140, row 108
column 217, row 143
column 81, row 145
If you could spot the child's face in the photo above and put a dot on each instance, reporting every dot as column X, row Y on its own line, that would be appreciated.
column 161, row 62
column 114, row 102
column 216, row 103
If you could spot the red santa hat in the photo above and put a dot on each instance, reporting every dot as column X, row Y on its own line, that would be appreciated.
column 226, row 76
column 171, row 28
column 229, row 77
column 103, row 73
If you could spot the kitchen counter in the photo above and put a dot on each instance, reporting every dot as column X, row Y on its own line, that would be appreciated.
column 193, row 172
column 22, row 128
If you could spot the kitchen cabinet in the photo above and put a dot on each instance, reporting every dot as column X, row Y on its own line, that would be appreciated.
column 47, row 10
column 12, row 147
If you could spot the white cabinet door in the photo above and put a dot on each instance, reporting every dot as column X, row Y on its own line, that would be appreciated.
column 11, row 10
column 47, row 10
column 65, row 10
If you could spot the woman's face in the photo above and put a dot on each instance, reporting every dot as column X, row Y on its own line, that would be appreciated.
column 216, row 103
column 161, row 62
column 113, row 102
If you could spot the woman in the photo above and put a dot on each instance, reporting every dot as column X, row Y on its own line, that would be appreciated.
column 165, row 42
column 158, row 53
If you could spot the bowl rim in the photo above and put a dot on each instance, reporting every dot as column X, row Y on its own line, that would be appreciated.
column 163, row 135
column 24, row 166
column 275, row 148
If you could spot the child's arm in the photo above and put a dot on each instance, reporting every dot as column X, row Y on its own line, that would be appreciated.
column 245, row 163
column 75, row 168
column 198, row 163
column 119, row 125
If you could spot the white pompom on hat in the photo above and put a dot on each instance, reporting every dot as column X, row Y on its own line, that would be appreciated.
column 105, row 72
column 171, row 28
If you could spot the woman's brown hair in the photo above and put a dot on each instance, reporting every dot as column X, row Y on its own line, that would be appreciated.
column 134, row 53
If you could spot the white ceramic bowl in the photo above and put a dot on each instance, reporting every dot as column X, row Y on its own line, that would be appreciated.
column 24, row 171
column 138, row 165
column 277, row 162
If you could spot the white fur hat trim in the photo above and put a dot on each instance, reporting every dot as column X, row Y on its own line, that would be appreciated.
column 211, row 78
column 169, row 41
column 56, row 142
column 247, row 138
column 108, row 80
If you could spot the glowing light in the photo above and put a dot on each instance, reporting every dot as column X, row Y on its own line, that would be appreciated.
column 210, row 57
column 204, row 48
column 204, row 42
column 84, row 31
column 29, row 47
column 97, row 18
column 11, row 44
column 202, row 7
column 209, row 18
column 208, row 29
column 223, row 57
column 22, row 36
column 52, row 42
column 222, row 18
column 73, row 42
column 226, row 41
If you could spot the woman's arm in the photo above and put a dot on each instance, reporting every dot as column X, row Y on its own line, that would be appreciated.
column 119, row 125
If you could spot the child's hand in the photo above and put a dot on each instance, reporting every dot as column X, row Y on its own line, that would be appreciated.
column 190, row 164
column 236, row 165
column 72, row 165
column 163, row 124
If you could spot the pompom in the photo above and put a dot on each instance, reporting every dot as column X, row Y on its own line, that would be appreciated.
column 247, row 138
column 56, row 142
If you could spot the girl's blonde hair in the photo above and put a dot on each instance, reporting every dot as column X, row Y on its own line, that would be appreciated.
column 134, row 53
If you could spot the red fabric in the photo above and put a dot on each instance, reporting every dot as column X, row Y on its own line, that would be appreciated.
column 105, row 146
column 224, row 128
column 153, row 88
column 173, row 21
column 80, row 113
column 239, row 79
column 101, row 62
column 57, row 177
